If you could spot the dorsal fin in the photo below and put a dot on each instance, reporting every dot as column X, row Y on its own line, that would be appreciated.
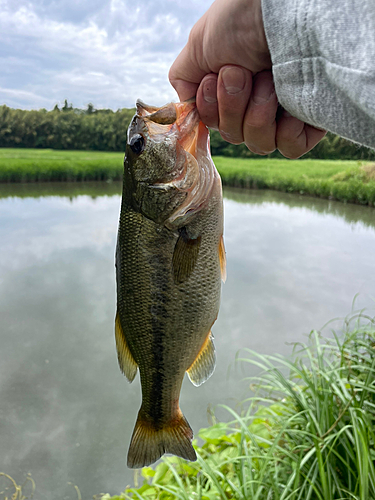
column 204, row 364
column 185, row 256
column 223, row 259
column 126, row 361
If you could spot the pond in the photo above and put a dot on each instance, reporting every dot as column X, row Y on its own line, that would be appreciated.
column 66, row 412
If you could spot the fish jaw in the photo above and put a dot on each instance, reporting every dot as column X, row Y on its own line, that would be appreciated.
column 202, row 175
column 174, row 119
column 171, row 180
column 164, row 131
column 197, row 174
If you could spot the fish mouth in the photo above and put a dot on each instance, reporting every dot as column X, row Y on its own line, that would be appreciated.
column 182, row 116
column 197, row 173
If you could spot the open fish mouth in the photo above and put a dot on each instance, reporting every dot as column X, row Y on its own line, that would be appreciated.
column 182, row 116
column 196, row 175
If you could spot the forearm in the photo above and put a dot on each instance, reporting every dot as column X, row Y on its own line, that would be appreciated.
column 323, row 55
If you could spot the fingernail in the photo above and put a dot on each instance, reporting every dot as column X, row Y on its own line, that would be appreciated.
column 209, row 90
column 233, row 79
column 263, row 92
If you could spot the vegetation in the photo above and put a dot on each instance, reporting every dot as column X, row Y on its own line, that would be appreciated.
column 347, row 181
column 331, row 147
column 307, row 433
column 105, row 130
column 68, row 128
column 46, row 165
column 10, row 489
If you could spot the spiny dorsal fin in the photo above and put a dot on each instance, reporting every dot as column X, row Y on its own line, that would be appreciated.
column 149, row 442
column 185, row 256
column 204, row 364
column 125, row 359
column 223, row 259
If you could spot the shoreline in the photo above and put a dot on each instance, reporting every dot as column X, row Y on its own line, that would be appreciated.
column 346, row 181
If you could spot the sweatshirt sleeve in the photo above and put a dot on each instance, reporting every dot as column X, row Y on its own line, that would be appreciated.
column 323, row 56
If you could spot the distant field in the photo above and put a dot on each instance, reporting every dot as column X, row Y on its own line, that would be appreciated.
column 348, row 181
column 46, row 165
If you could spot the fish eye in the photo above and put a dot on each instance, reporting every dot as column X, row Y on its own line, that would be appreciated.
column 137, row 144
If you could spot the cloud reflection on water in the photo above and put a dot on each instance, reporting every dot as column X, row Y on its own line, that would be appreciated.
column 293, row 264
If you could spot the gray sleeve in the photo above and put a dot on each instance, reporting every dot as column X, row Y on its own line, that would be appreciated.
column 323, row 55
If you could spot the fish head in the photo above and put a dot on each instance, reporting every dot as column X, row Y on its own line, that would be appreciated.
column 168, row 167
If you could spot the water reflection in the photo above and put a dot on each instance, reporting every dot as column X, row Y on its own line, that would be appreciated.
column 66, row 189
column 66, row 412
column 351, row 213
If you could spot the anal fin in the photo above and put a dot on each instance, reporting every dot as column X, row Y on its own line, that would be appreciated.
column 204, row 364
column 126, row 361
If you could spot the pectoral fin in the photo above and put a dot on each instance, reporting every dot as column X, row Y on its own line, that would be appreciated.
column 204, row 364
column 125, row 359
column 185, row 256
column 223, row 259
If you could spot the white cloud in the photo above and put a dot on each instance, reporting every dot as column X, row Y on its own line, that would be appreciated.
column 108, row 53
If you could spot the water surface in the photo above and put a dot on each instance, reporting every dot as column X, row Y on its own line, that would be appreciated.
column 66, row 412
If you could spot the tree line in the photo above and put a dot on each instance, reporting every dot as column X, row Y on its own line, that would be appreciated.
column 105, row 130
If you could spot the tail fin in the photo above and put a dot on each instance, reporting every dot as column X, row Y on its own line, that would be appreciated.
column 149, row 443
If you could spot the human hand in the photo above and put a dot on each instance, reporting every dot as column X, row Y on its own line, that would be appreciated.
column 226, row 64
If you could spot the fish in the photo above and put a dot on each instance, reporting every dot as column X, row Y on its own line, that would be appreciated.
column 170, row 260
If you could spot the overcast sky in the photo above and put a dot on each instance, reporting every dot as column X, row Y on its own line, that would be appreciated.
column 107, row 52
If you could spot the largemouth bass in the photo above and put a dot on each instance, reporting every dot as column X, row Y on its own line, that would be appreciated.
column 170, row 259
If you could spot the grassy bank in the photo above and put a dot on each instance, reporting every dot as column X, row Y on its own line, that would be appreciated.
column 47, row 165
column 307, row 433
column 348, row 181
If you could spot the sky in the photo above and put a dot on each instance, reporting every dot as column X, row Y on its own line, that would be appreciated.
column 104, row 52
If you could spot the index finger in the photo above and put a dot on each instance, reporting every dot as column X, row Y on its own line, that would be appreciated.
column 185, row 90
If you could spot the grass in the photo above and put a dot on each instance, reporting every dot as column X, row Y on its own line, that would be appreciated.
column 307, row 433
column 9, row 489
column 46, row 165
column 347, row 181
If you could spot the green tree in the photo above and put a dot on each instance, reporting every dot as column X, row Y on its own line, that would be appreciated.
column 105, row 130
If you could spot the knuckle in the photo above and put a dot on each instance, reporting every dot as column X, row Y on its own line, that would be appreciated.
column 291, row 147
column 231, row 106
column 210, row 121
column 231, row 137
column 260, row 138
column 256, row 151
column 259, row 149
column 195, row 33
column 196, row 48
column 291, row 155
column 256, row 122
